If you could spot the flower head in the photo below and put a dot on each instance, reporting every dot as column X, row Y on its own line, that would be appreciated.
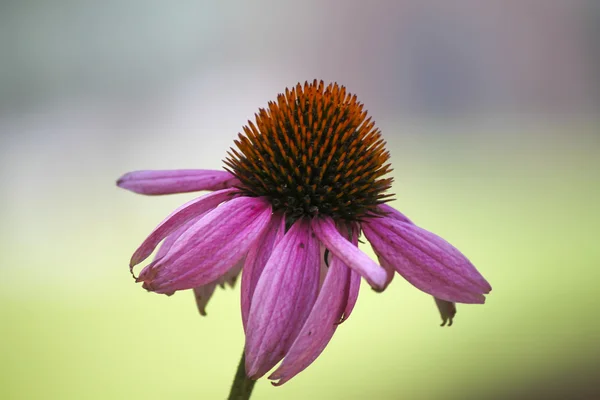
column 306, row 179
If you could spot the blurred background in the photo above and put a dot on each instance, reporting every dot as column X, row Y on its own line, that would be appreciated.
column 490, row 110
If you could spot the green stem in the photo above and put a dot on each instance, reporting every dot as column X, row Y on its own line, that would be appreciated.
column 242, row 385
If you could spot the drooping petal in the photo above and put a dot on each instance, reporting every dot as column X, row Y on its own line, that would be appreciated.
column 426, row 260
column 350, row 255
column 176, row 181
column 178, row 218
column 392, row 213
column 420, row 277
column 390, row 271
column 283, row 298
column 354, row 288
column 353, row 276
column 166, row 245
column 436, row 247
column 212, row 245
column 257, row 258
column 320, row 325
column 447, row 310
column 204, row 293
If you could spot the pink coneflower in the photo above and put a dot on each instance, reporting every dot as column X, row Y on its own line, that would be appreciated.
column 304, row 180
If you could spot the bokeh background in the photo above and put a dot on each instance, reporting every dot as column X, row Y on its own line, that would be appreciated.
column 490, row 110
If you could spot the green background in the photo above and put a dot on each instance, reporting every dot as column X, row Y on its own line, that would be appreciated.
column 520, row 201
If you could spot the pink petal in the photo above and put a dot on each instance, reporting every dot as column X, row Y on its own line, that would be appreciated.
column 420, row 277
column 207, row 249
column 353, row 277
column 320, row 325
column 348, row 253
column 436, row 247
column 256, row 260
column 398, row 216
column 389, row 269
column 178, row 218
column 170, row 240
column 427, row 261
column 283, row 298
column 354, row 287
column 176, row 181
column 392, row 213
column 204, row 293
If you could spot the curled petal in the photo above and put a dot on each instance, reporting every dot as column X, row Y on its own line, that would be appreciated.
column 257, row 258
column 320, row 325
column 348, row 253
column 177, row 219
column 427, row 261
column 447, row 310
column 176, row 181
column 285, row 294
column 208, row 248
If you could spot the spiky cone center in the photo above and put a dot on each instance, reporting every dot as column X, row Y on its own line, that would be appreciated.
column 314, row 152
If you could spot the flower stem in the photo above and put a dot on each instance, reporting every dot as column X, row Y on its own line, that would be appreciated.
column 242, row 386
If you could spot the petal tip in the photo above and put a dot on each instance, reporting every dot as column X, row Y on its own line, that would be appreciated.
column 255, row 375
column 379, row 287
column 380, row 282
column 133, row 262
column 488, row 288
column 277, row 378
column 251, row 368
column 123, row 180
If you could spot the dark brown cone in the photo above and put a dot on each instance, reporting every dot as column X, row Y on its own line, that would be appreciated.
column 314, row 152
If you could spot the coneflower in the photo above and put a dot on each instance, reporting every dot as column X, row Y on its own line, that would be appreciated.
column 300, row 186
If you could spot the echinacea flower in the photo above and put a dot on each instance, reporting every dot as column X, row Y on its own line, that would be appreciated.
column 304, row 181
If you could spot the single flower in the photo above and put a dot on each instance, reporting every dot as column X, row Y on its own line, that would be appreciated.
column 302, row 183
